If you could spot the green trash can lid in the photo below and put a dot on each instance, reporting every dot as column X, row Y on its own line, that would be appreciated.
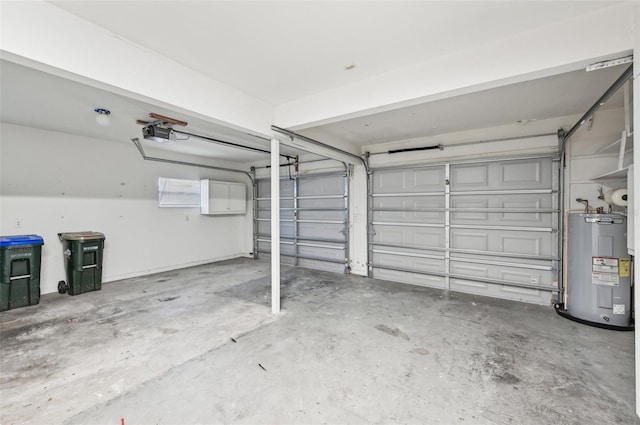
column 18, row 240
column 80, row 236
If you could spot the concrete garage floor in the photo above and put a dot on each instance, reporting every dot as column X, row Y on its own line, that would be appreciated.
column 347, row 349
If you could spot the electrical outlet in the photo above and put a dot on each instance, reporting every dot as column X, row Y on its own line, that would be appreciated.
column 18, row 222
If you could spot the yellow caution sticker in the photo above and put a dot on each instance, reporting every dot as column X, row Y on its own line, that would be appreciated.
column 625, row 267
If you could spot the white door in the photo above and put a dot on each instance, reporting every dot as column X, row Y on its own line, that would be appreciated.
column 488, row 228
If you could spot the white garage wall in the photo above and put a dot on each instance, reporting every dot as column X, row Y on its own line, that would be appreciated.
column 56, row 182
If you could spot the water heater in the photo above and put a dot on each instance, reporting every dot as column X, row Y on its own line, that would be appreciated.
column 599, row 270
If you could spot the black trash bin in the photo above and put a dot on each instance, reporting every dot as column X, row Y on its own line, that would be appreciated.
column 83, row 252
column 20, row 259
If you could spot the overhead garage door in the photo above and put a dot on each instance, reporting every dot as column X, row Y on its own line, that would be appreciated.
column 487, row 228
column 313, row 221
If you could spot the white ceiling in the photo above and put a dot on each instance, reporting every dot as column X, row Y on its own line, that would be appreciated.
column 41, row 100
column 561, row 95
column 37, row 99
column 278, row 51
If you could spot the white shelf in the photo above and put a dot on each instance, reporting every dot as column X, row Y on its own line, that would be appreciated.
column 614, row 147
column 624, row 146
column 618, row 175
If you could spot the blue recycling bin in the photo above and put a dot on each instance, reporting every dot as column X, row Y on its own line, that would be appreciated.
column 20, row 259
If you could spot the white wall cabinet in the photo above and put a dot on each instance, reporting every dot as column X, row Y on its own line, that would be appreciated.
column 218, row 197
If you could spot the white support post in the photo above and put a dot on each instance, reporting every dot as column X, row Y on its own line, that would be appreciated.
column 275, row 226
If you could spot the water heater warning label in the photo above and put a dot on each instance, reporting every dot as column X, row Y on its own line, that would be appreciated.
column 604, row 271
column 605, row 261
column 610, row 279
column 625, row 267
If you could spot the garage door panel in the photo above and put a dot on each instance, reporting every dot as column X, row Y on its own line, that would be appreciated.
column 529, row 219
column 535, row 173
column 327, row 185
column 526, row 277
column 286, row 228
column 286, row 188
column 527, row 295
column 264, row 188
column 434, row 253
column 289, row 261
column 532, row 262
column 403, row 208
column 265, row 204
column 475, row 203
column 324, row 231
column 321, row 215
column 320, row 265
column 526, row 173
column 513, row 219
column 408, row 202
column 411, row 278
column 391, row 260
column 507, row 273
column 532, row 210
column 328, row 252
column 284, row 214
column 470, row 239
column 498, row 240
column 264, row 228
column 285, row 248
column 470, row 177
column 415, row 236
column 328, row 203
column 415, row 266
column 525, row 243
column 435, row 217
column 521, row 201
column 409, row 180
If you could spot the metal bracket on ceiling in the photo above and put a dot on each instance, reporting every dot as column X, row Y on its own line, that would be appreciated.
column 590, row 122
column 609, row 63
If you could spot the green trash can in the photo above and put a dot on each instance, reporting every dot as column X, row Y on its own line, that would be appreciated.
column 20, row 258
column 83, row 253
